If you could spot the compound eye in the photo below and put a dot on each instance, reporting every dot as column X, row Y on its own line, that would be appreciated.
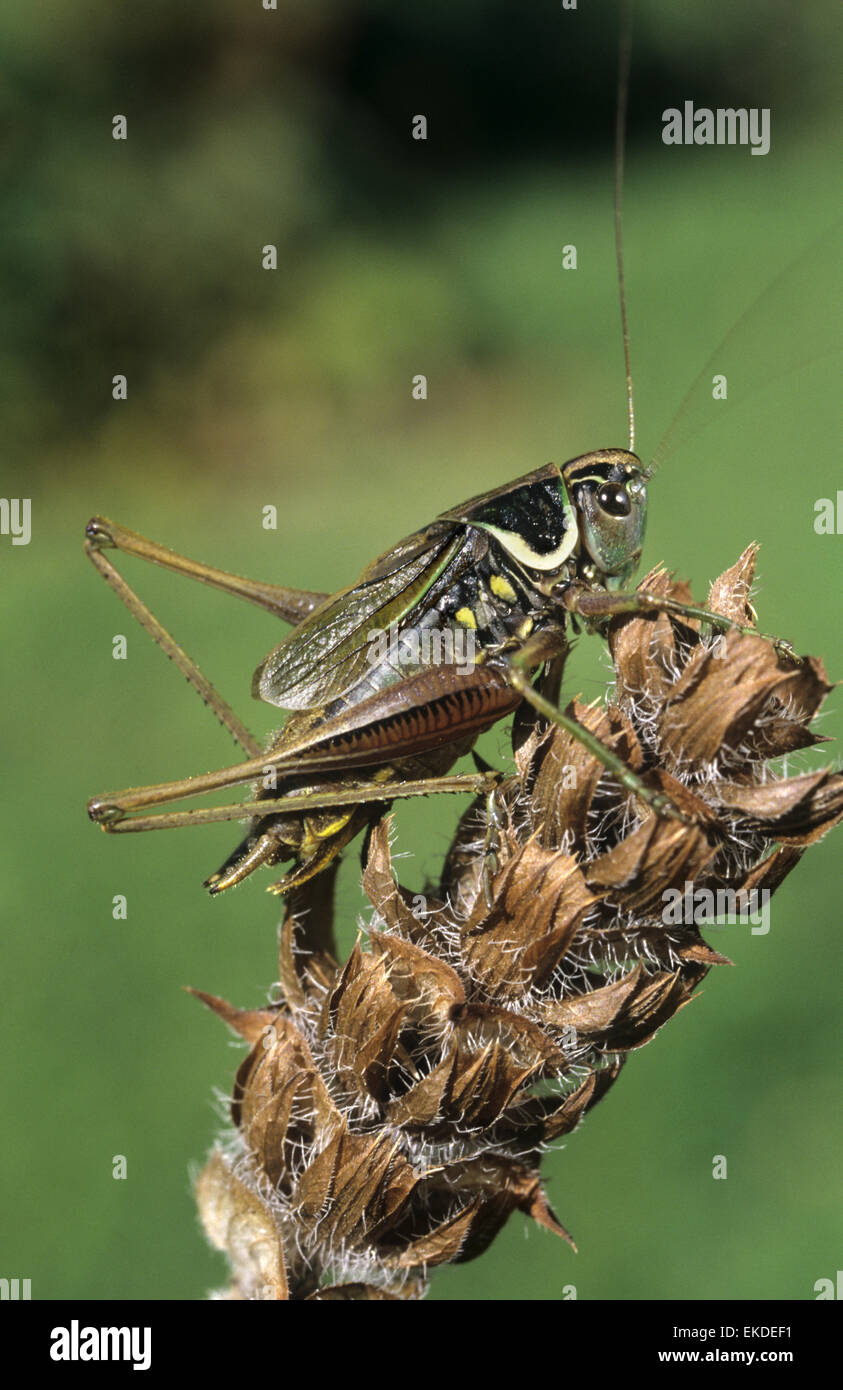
column 614, row 499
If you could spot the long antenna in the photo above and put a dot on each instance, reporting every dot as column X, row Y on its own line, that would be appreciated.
column 620, row 140
column 797, row 297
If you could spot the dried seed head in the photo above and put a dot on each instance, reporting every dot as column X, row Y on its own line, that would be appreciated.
column 392, row 1111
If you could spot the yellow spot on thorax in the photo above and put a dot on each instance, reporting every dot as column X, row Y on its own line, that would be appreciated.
column 466, row 617
column 502, row 588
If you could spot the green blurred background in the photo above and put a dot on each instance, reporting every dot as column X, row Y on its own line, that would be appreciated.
column 293, row 388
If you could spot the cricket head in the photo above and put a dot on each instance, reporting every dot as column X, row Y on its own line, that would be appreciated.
column 608, row 491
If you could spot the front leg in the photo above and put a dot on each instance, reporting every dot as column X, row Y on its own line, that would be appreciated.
column 596, row 605
column 545, row 646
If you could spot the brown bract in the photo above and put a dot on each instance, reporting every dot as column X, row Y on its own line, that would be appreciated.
column 392, row 1110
